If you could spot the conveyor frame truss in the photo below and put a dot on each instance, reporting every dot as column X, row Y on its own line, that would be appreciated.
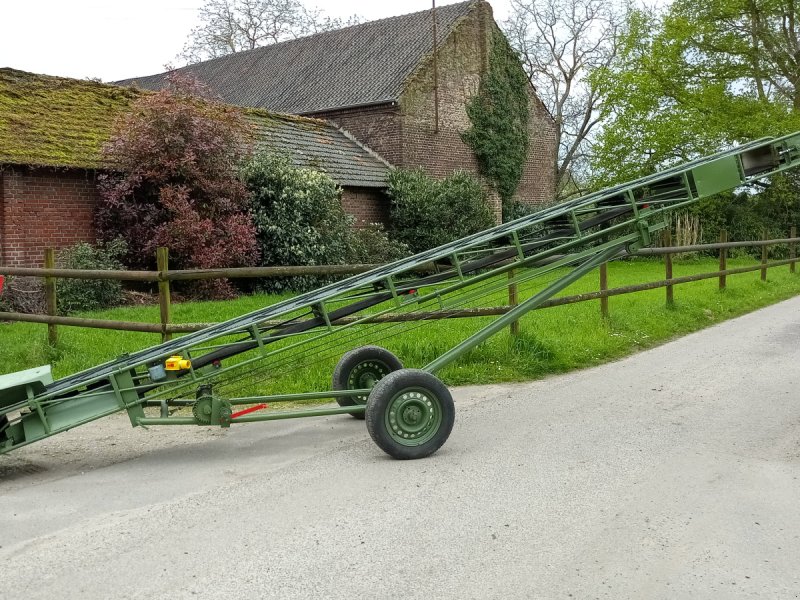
column 565, row 241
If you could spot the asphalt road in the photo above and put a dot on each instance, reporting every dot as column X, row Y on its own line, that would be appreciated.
column 674, row 473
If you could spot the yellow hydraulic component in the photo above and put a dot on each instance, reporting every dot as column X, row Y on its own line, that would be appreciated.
column 177, row 363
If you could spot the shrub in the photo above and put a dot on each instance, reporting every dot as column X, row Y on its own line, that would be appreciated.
column 372, row 245
column 176, row 155
column 23, row 295
column 426, row 213
column 83, row 294
column 298, row 216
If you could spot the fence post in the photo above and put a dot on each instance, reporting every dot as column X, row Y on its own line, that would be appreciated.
column 513, row 300
column 164, row 298
column 764, row 257
column 604, row 288
column 668, row 269
column 723, row 258
column 792, row 248
column 50, row 295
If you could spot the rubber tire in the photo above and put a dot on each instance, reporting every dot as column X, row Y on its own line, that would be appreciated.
column 353, row 358
column 382, row 395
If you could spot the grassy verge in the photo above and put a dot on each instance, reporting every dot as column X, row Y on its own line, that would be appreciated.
column 552, row 340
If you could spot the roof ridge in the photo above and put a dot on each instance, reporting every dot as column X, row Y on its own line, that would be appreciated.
column 363, row 146
column 72, row 80
column 265, row 112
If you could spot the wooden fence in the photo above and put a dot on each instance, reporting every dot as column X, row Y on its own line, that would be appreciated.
column 164, row 276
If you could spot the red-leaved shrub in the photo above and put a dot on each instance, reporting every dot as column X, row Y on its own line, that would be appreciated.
column 175, row 183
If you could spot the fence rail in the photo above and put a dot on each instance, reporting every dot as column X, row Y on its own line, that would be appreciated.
column 191, row 274
column 164, row 276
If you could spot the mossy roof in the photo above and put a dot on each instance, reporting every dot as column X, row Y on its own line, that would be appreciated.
column 58, row 122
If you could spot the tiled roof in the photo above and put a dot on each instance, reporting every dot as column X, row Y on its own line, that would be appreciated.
column 362, row 64
column 58, row 122
column 321, row 146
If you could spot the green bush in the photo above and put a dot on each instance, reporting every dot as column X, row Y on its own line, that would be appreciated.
column 80, row 294
column 372, row 245
column 426, row 213
column 747, row 216
column 298, row 216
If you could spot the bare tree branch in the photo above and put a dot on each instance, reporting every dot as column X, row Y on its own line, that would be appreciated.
column 228, row 26
column 561, row 42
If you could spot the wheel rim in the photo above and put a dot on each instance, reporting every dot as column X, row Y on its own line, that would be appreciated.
column 365, row 375
column 413, row 416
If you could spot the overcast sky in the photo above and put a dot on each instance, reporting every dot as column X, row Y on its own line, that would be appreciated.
column 117, row 39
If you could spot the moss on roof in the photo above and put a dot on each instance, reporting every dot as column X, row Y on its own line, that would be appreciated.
column 57, row 122
column 264, row 118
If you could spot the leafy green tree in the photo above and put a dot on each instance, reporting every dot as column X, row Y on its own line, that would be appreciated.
column 699, row 77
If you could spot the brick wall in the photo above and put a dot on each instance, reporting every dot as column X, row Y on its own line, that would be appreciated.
column 49, row 208
column 367, row 205
column 462, row 60
column 377, row 127
column 43, row 208
column 438, row 148
column 407, row 135
column 538, row 183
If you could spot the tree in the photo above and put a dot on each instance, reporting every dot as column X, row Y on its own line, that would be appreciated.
column 752, row 42
column 702, row 76
column 176, row 155
column 228, row 26
column 562, row 44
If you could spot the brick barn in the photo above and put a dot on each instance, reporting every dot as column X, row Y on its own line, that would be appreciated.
column 365, row 98
column 380, row 82
column 51, row 134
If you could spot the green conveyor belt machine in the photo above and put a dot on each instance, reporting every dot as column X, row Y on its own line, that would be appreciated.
column 409, row 412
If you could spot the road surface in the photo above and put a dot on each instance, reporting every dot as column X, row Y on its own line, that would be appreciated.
column 674, row 473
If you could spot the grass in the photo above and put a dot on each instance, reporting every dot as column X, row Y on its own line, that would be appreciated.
column 552, row 340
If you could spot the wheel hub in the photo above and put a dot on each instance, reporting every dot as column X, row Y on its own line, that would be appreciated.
column 365, row 375
column 413, row 417
column 412, row 414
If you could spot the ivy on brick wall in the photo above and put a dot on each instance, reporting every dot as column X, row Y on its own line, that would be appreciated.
column 499, row 116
